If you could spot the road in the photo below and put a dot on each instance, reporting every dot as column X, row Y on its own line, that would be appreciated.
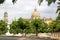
column 22, row 38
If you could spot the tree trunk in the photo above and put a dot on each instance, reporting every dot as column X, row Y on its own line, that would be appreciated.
column 25, row 34
column 36, row 31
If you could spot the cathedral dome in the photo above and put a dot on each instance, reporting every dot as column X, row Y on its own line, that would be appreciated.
column 35, row 14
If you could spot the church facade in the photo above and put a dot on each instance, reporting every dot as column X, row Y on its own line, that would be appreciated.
column 36, row 15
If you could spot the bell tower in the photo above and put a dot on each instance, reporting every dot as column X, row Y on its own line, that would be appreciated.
column 6, row 17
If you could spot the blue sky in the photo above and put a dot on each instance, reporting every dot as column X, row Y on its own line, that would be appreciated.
column 25, row 8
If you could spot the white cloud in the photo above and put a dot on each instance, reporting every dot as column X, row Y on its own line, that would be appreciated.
column 24, row 8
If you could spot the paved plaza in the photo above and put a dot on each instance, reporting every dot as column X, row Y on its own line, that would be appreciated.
column 24, row 38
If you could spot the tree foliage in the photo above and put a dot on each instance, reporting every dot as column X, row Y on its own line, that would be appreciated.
column 20, row 26
column 44, row 28
column 24, row 25
column 39, row 1
column 3, row 27
column 2, row 1
column 21, row 23
column 55, row 26
column 58, row 9
column 58, row 27
column 58, row 17
column 36, row 24
column 14, row 1
column 14, row 27
column 49, row 1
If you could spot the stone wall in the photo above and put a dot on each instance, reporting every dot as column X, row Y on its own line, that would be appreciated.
column 55, row 35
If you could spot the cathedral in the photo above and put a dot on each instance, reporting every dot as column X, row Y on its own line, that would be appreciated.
column 34, row 15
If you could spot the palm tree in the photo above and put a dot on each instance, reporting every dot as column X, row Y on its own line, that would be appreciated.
column 14, row 1
column 49, row 1
column 2, row 1
column 39, row 2
column 58, row 9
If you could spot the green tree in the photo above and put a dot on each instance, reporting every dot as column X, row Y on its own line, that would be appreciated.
column 24, row 25
column 44, row 28
column 58, row 26
column 36, row 24
column 27, row 27
column 14, row 28
column 55, row 26
column 58, row 22
column 52, row 26
column 32, row 28
column 58, row 17
column 21, row 23
column 3, row 27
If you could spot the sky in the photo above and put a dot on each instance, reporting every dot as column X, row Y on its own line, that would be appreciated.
column 25, row 8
